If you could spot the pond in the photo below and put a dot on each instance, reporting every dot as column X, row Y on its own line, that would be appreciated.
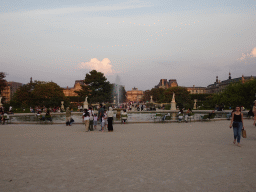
column 132, row 116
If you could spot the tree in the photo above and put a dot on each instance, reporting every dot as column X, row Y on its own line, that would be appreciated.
column 242, row 94
column 96, row 88
column 39, row 93
column 157, row 93
column 182, row 96
column 3, row 82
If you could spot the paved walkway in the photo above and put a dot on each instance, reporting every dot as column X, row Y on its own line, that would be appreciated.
column 135, row 157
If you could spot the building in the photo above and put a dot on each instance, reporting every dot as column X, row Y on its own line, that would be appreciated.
column 71, row 91
column 9, row 90
column 134, row 95
column 219, row 86
column 196, row 90
column 167, row 84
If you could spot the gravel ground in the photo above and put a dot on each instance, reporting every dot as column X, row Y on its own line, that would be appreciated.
column 196, row 156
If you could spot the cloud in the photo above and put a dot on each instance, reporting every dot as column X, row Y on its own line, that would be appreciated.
column 103, row 66
column 247, row 56
column 75, row 9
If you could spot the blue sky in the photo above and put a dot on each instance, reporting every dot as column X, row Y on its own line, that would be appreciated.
column 140, row 41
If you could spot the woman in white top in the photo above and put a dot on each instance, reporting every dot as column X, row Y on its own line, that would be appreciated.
column 90, row 119
column 110, row 119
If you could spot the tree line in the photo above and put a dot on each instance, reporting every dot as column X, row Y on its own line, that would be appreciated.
column 49, row 94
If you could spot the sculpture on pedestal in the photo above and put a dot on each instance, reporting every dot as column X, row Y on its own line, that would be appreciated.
column 151, row 99
column 86, row 103
column 62, row 106
column 173, row 103
column 195, row 100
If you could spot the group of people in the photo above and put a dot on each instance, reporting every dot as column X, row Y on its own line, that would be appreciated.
column 104, row 117
column 90, row 119
column 238, row 124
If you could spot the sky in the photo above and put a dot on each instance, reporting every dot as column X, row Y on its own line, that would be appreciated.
column 139, row 41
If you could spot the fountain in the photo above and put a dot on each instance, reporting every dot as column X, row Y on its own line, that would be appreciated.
column 117, row 94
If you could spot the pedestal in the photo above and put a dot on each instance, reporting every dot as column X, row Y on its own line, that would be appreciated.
column 173, row 106
column 86, row 105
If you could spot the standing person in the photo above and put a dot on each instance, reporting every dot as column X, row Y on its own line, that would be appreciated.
column 68, row 116
column 86, row 116
column 105, row 119
column 254, row 112
column 100, row 113
column 95, row 120
column 237, row 122
column 90, row 119
column 102, row 123
column 110, row 119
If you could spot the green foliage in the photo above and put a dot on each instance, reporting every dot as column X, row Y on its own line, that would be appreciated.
column 182, row 96
column 97, row 88
column 242, row 94
column 39, row 93
column 3, row 82
column 160, row 95
column 157, row 93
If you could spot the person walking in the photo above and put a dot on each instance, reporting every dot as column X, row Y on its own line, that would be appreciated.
column 110, row 119
column 237, row 123
column 86, row 116
column 68, row 116
column 90, row 119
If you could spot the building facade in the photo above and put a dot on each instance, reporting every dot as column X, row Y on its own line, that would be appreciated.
column 167, row 84
column 134, row 95
column 219, row 86
column 71, row 91
column 196, row 90
column 9, row 90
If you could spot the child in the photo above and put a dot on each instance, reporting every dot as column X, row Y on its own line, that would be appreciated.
column 105, row 119
column 95, row 120
column 103, row 123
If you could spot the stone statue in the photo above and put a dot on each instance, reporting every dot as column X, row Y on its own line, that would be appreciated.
column 62, row 106
column 151, row 99
column 195, row 100
column 173, row 103
column 173, row 97
column 86, row 103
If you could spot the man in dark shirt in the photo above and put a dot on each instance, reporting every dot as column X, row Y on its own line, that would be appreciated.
column 100, row 113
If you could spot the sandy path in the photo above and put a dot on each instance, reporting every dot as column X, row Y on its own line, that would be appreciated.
column 135, row 157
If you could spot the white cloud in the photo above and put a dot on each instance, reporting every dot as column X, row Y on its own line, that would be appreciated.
column 70, row 10
column 103, row 66
column 246, row 56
